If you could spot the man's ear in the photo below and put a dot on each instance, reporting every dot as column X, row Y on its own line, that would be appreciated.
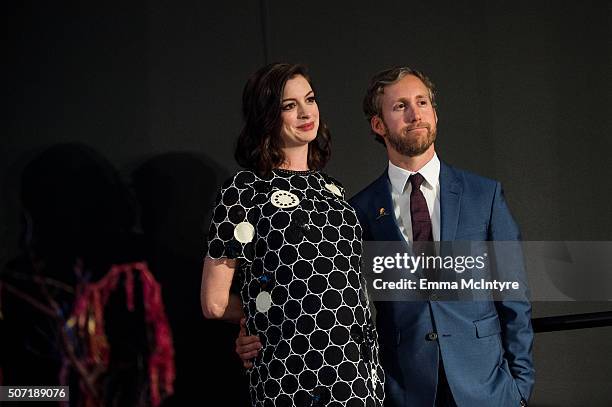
column 436, row 115
column 378, row 126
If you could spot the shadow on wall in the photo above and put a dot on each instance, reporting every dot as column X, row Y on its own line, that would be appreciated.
column 78, row 304
column 77, row 211
column 176, row 193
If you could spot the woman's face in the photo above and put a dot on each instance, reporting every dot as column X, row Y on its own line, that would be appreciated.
column 299, row 113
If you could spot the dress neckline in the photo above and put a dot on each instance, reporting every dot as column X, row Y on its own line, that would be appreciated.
column 282, row 171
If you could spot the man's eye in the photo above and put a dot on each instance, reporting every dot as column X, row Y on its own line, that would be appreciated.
column 288, row 106
column 422, row 103
column 399, row 106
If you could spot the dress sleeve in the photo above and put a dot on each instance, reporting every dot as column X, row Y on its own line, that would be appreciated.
column 232, row 229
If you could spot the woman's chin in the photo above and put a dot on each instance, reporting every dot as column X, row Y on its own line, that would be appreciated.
column 308, row 137
column 301, row 140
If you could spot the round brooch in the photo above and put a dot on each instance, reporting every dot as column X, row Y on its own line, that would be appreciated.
column 284, row 199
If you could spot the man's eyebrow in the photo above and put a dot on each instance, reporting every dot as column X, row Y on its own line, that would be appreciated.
column 405, row 99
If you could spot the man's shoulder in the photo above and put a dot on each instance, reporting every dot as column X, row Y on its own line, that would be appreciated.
column 448, row 175
column 466, row 177
column 365, row 195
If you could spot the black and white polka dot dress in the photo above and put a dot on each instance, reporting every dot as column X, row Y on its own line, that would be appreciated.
column 299, row 244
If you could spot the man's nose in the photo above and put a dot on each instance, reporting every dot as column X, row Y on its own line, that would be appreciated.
column 413, row 114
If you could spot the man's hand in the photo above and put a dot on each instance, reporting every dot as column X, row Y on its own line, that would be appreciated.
column 247, row 347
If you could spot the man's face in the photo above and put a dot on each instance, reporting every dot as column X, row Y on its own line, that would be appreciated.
column 408, row 120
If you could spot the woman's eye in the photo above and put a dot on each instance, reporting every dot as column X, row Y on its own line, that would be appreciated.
column 288, row 106
column 311, row 99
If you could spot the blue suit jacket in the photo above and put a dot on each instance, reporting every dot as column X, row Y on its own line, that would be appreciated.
column 486, row 347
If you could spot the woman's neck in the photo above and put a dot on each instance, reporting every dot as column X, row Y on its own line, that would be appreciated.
column 296, row 158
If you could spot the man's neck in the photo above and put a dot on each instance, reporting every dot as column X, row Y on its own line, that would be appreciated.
column 413, row 164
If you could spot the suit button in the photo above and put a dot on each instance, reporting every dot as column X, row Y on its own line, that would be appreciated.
column 433, row 297
column 432, row 336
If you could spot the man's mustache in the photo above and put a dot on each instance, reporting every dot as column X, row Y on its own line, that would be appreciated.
column 418, row 126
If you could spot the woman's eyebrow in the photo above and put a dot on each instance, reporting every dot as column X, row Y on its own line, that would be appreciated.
column 284, row 100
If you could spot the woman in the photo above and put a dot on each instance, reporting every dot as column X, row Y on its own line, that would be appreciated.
column 295, row 243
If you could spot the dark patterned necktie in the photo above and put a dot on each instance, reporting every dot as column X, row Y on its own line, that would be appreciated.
column 422, row 235
column 419, row 214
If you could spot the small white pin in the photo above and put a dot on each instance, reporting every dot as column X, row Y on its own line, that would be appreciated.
column 244, row 232
column 333, row 188
column 284, row 199
column 263, row 302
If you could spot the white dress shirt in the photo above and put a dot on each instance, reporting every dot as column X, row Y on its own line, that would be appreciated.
column 400, row 195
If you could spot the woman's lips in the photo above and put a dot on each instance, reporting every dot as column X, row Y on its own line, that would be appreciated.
column 307, row 126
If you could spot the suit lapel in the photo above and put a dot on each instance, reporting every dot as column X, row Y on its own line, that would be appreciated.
column 450, row 202
column 383, row 226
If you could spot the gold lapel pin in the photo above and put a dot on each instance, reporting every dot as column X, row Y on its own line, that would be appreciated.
column 381, row 212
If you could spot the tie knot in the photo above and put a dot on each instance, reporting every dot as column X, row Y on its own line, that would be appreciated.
column 416, row 180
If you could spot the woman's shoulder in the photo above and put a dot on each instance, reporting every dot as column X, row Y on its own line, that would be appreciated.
column 333, row 184
column 241, row 180
column 331, row 180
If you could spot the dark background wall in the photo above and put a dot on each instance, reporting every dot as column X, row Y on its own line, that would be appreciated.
column 523, row 91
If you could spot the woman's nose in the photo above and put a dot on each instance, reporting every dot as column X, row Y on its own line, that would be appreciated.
column 305, row 113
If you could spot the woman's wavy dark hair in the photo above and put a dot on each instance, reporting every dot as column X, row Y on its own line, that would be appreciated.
column 259, row 144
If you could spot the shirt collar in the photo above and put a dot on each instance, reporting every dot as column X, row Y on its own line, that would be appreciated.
column 430, row 171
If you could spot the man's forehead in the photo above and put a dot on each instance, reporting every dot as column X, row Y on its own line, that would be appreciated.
column 408, row 86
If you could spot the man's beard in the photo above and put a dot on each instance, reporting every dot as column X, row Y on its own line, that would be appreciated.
column 409, row 145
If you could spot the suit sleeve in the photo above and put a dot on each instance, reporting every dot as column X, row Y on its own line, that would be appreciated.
column 515, row 316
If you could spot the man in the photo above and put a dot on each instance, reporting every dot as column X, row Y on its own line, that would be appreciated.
column 437, row 353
